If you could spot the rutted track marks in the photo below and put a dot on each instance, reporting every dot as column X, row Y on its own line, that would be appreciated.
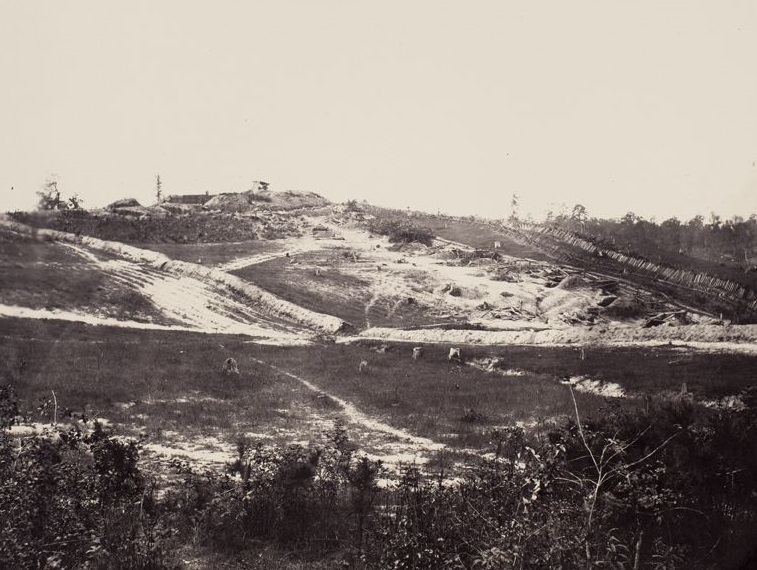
column 185, row 301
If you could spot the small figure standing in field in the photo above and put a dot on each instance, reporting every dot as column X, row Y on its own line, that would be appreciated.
column 363, row 367
column 454, row 354
column 230, row 367
column 417, row 352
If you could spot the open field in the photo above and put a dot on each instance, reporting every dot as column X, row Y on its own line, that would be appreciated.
column 430, row 396
column 164, row 383
column 494, row 427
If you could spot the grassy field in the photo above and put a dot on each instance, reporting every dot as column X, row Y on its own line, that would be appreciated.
column 646, row 370
column 154, row 382
column 431, row 397
column 214, row 253
column 161, row 382
column 171, row 382
column 458, row 405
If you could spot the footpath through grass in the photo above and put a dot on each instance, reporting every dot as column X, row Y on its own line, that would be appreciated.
column 456, row 404
column 462, row 404
column 172, row 381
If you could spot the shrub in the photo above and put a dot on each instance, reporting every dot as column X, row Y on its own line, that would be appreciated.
column 72, row 500
column 402, row 232
column 313, row 500
column 671, row 486
column 8, row 407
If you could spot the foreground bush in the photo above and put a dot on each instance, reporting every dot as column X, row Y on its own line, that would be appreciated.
column 672, row 486
column 70, row 500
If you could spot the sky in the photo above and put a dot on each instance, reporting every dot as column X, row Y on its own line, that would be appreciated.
column 646, row 106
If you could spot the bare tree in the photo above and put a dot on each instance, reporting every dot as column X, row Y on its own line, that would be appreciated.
column 49, row 196
column 74, row 202
column 158, row 188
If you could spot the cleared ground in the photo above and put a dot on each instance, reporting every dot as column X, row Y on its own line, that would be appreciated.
column 168, row 383
column 169, row 386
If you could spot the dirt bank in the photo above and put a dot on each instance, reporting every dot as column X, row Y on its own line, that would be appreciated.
column 253, row 295
column 725, row 338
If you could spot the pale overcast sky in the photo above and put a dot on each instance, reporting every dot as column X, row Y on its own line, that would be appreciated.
column 636, row 105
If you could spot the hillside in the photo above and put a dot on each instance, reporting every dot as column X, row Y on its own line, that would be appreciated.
column 490, row 281
column 257, row 360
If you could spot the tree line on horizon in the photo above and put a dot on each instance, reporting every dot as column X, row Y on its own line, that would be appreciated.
column 731, row 240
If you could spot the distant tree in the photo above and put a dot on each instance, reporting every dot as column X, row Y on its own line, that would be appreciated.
column 74, row 202
column 578, row 217
column 697, row 222
column 579, row 213
column 671, row 233
column 694, row 233
column 352, row 206
column 630, row 219
column 715, row 221
column 158, row 188
column 49, row 196
column 514, row 202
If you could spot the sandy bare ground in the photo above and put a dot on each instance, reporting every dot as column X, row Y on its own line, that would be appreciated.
column 195, row 304
column 712, row 338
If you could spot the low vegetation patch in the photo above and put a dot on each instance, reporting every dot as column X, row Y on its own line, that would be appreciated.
column 671, row 486
column 401, row 231
column 198, row 227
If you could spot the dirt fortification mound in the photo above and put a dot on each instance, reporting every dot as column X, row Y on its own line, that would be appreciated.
column 124, row 203
column 265, row 199
column 231, row 202
column 290, row 200
column 571, row 282
column 625, row 308
column 572, row 307
column 137, row 212
column 180, row 209
column 263, row 300
column 183, row 224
